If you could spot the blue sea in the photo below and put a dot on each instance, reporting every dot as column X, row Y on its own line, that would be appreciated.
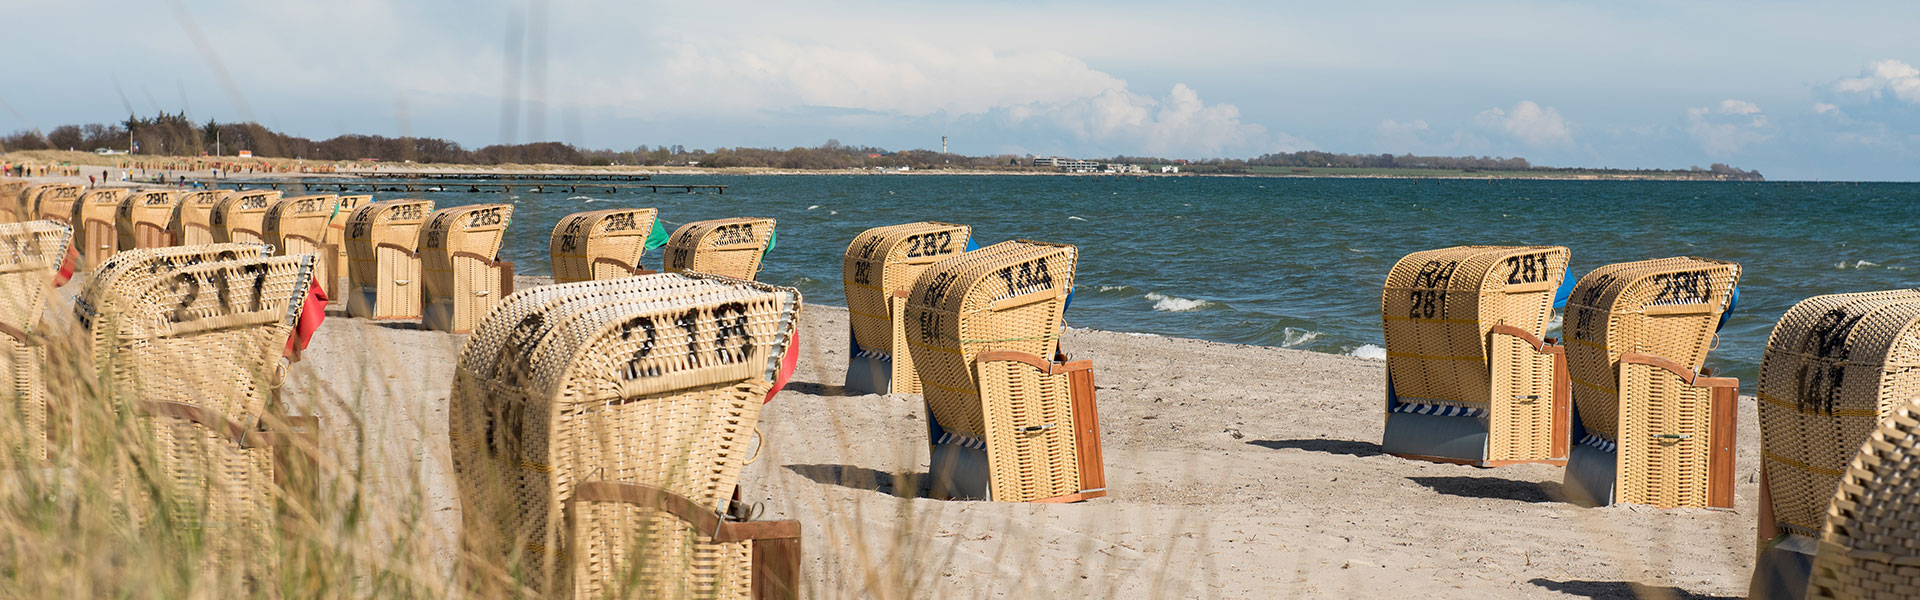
column 1298, row 263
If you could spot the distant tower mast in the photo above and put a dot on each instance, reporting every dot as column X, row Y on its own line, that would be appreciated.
column 943, row 144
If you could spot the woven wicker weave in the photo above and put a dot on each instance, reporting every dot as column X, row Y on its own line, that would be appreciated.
column 592, row 381
column 1870, row 547
column 196, row 349
column 459, row 249
column 30, row 253
column 237, row 217
column 337, row 237
column 965, row 317
column 880, row 267
column 151, row 262
column 95, row 230
column 11, row 202
column 12, row 207
column 54, row 202
column 1835, row 365
column 192, row 219
column 1664, row 416
column 1439, row 306
column 730, row 247
column 1465, row 327
column 58, row 204
column 601, row 244
column 383, row 268
column 141, row 220
column 299, row 225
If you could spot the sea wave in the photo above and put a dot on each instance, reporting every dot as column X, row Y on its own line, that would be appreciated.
column 1295, row 337
column 1073, row 218
column 1861, row 264
column 1165, row 303
column 1369, row 352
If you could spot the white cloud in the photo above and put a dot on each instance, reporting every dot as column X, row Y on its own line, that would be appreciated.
column 1530, row 123
column 1822, row 108
column 1178, row 124
column 1889, row 76
column 1402, row 137
column 1728, row 127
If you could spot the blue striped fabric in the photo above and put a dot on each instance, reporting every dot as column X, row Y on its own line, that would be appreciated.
column 1439, row 410
column 1596, row 441
column 948, row 437
column 865, row 353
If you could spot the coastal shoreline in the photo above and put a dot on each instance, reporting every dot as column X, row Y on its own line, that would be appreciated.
column 348, row 169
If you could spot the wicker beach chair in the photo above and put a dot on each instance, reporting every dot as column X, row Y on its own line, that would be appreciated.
column 57, row 204
column 30, row 253
column 1835, row 366
column 1870, row 545
column 1009, row 418
column 201, row 368
column 192, row 220
column 878, row 272
column 383, row 261
column 730, row 247
column 459, row 251
column 11, row 191
column 601, row 244
column 23, row 207
column 1651, row 428
column 95, row 225
column 337, row 237
column 1472, row 378
column 298, row 225
column 141, row 221
column 599, row 429
column 238, row 218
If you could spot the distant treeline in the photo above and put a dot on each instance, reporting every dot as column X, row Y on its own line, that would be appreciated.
column 174, row 135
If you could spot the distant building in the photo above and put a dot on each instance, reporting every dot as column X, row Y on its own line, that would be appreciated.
column 1070, row 165
column 1120, row 168
column 1169, row 169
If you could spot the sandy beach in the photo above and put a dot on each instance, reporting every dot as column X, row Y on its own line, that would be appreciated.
column 1234, row 472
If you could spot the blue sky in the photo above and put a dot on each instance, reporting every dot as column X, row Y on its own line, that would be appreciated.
column 1796, row 90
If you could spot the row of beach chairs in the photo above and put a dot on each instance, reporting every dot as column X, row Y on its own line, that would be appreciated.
column 396, row 259
column 1625, row 405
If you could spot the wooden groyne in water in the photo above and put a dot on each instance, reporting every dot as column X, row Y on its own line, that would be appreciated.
column 463, row 186
column 498, row 176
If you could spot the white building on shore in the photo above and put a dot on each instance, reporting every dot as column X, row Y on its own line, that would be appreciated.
column 1070, row 165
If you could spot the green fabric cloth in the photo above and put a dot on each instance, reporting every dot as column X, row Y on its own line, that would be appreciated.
column 771, row 236
column 657, row 237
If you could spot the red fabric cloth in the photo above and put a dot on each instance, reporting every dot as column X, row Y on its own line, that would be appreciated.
column 787, row 365
column 66, row 266
column 311, row 314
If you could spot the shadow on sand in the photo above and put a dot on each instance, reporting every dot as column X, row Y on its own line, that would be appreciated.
column 1493, row 488
column 908, row 485
column 1623, row 590
column 1342, row 447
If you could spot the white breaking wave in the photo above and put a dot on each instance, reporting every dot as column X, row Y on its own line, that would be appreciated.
column 1072, row 218
column 1165, row 303
column 1295, row 337
column 813, row 207
column 580, row 198
column 1369, row 352
column 1555, row 322
column 1857, row 265
column 1115, row 288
